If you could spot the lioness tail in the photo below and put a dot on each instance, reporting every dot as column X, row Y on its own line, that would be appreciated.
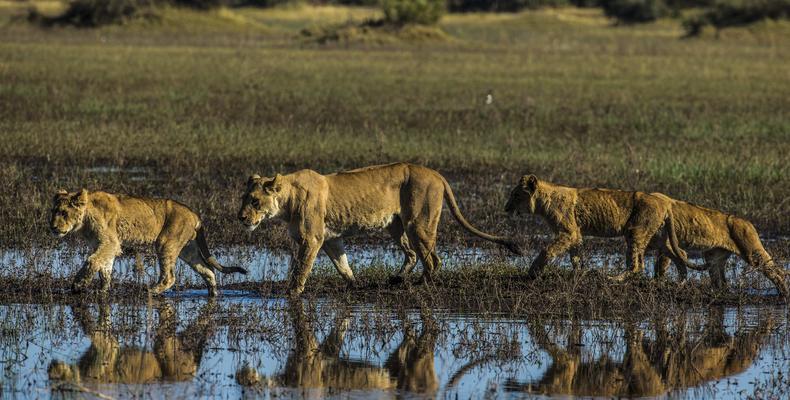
column 453, row 205
column 212, row 262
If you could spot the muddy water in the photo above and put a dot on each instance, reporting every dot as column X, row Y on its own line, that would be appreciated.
column 244, row 346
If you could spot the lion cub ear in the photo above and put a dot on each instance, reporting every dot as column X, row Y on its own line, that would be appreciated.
column 80, row 199
column 252, row 180
column 529, row 182
column 61, row 193
column 275, row 185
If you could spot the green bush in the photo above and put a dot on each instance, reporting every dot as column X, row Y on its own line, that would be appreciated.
column 424, row 12
column 635, row 11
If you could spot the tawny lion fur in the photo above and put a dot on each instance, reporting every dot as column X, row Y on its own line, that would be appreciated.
column 108, row 221
column 404, row 199
column 717, row 236
column 573, row 213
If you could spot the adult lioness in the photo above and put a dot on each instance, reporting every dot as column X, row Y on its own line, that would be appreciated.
column 573, row 212
column 717, row 236
column 320, row 209
column 107, row 221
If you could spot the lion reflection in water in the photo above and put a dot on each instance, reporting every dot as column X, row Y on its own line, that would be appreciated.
column 650, row 367
column 174, row 357
column 314, row 365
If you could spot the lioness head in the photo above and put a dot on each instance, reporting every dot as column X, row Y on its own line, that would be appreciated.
column 68, row 212
column 522, row 197
column 260, row 201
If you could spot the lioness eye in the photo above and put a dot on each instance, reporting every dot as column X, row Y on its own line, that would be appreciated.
column 256, row 203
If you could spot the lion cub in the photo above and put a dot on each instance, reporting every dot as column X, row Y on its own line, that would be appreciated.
column 107, row 221
column 573, row 213
column 717, row 236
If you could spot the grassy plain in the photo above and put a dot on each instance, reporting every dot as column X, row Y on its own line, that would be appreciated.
column 188, row 105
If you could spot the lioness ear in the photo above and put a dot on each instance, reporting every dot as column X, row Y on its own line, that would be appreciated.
column 80, row 199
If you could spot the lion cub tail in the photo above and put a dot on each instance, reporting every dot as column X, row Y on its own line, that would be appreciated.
column 212, row 262
column 453, row 205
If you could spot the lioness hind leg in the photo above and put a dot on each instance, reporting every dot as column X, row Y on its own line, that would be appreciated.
column 334, row 249
column 168, row 254
column 409, row 255
column 662, row 266
column 716, row 261
column 642, row 228
column 190, row 254
column 421, row 222
column 425, row 251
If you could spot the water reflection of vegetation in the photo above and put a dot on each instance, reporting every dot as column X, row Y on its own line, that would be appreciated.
column 652, row 364
column 175, row 356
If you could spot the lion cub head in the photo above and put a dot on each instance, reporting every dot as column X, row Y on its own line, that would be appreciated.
column 260, row 201
column 68, row 212
column 523, row 196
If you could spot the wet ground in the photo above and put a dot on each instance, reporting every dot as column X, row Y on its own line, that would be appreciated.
column 413, row 344
column 246, row 346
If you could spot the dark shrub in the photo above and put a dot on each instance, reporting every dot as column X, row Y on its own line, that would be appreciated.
column 424, row 12
column 726, row 13
column 501, row 5
column 201, row 4
column 262, row 3
column 93, row 13
column 368, row 3
column 635, row 11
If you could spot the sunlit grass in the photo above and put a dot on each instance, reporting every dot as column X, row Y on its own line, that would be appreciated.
column 575, row 100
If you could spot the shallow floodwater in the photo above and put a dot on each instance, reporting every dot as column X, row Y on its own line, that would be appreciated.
column 246, row 346
column 266, row 265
